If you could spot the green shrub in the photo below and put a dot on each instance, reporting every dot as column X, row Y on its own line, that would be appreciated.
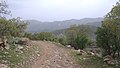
column 62, row 39
column 81, row 41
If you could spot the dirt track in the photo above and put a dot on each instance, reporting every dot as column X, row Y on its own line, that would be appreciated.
column 53, row 56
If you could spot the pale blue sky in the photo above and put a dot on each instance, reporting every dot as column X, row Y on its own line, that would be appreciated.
column 57, row 10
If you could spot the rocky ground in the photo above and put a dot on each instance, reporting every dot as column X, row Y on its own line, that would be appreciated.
column 53, row 56
column 45, row 54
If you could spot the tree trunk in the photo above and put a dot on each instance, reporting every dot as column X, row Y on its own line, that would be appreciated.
column 118, row 53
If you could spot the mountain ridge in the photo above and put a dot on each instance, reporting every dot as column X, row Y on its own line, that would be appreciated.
column 38, row 26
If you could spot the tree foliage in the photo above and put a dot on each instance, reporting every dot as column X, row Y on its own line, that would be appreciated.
column 81, row 41
column 48, row 36
column 62, row 39
column 77, row 37
column 3, row 8
column 108, row 35
column 12, row 27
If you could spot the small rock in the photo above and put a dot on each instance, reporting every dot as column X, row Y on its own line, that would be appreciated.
column 9, row 56
column 17, row 55
column 12, row 64
column 36, row 51
column 78, row 50
column 4, row 66
column 69, row 46
column 110, row 63
column 99, row 55
column 4, row 61
column 80, row 53
column 108, row 56
column 80, row 58
column 7, row 46
column 106, row 59
column 38, row 55
column 59, row 44
column 6, row 52
column 20, row 47
column 91, row 53
column 84, row 58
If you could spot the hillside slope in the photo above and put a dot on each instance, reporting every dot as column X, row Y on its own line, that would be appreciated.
column 37, row 26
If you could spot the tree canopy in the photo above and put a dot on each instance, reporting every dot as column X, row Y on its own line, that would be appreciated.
column 12, row 27
column 77, row 37
column 108, row 35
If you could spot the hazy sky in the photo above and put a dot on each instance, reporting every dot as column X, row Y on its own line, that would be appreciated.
column 56, row 10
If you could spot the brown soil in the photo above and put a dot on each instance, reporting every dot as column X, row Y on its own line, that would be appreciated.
column 53, row 56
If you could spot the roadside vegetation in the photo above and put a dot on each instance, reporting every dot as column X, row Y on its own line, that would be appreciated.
column 15, row 57
column 91, row 48
column 14, row 50
column 108, row 40
column 87, row 61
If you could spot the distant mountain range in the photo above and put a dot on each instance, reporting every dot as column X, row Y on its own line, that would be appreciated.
column 37, row 26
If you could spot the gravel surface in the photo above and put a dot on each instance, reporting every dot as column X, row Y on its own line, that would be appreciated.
column 53, row 56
